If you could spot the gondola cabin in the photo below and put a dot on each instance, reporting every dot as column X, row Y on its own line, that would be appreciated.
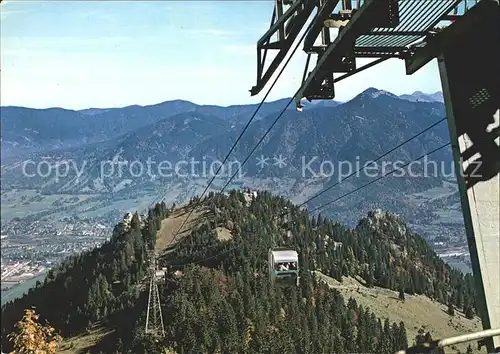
column 283, row 267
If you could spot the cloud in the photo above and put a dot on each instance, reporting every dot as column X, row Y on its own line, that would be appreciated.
column 245, row 49
column 98, row 15
column 208, row 31
column 13, row 9
column 128, row 67
column 9, row 13
column 63, row 41
column 217, row 32
column 24, row 52
column 106, row 83
column 52, row 45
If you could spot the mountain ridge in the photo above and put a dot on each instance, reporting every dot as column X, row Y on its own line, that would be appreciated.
column 182, row 101
column 348, row 131
column 32, row 129
column 26, row 130
column 419, row 96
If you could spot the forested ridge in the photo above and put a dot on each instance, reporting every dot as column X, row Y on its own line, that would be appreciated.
column 216, row 296
column 94, row 284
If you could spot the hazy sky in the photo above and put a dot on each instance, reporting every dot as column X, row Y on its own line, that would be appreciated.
column 81, row 54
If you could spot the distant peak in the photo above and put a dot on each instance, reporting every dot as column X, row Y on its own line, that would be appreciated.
column 419, row 96
column 373, row 92
column 370, row 90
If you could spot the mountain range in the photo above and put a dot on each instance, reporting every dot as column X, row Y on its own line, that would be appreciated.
column 304, row 153
column 31, row 130
column 361, row 129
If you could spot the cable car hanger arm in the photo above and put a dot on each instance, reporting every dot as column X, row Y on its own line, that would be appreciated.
column 297, row 16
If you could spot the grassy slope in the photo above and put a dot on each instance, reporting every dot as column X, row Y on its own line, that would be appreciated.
column 415, row 311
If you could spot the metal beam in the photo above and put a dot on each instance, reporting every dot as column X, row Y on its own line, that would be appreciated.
column 280, row 21
column 399, row 33
column 379, row 49
column 361, row 68
column 359, row 24
column 302, row 10
column 422, row 56
column 318, row 25
column 376, row 55
column 374, row 52
column 262, row 60
column 435, row 44
column 451, row 18
column 347, row 4
column 279, row 13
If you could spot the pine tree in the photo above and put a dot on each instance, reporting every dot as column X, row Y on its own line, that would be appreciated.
column 469, row 312
column 369, row 279
column 451, row 310
column 119, row 345
column 469, row 350
column 421, row 336
column 403, row 337
column 401, row 294
column 135, row 223
column 428, row 337
column 228, row 327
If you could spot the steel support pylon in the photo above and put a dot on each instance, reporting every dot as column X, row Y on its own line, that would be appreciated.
column 154, row 317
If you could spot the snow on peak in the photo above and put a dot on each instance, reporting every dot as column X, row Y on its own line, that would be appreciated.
column 380, row 93
column 374, row 93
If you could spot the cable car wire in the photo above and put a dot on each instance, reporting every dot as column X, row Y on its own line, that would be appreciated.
column 246, row 127
column 267, row 132
column 365, row 165
column 378, row 179
column 331, row 202
column 336, row 184
column 373, row 161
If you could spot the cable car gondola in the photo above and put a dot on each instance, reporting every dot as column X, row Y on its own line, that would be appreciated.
column 283, row 266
